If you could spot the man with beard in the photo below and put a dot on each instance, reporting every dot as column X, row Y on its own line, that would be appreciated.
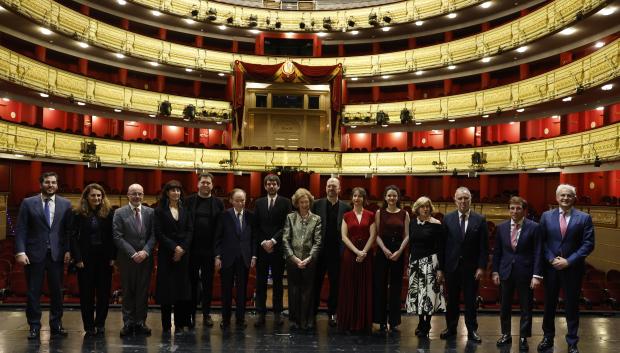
column 331, row 210
column 270, row 212
column 205, row 209
column 41, row 244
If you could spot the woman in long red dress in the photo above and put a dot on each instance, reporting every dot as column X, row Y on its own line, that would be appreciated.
column 355, row 295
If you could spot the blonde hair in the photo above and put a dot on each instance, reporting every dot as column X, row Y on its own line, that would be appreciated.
column 422, row 201
column 301, row 192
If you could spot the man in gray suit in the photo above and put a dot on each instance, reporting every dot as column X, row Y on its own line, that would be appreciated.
column 134, row 238
column 41, row 244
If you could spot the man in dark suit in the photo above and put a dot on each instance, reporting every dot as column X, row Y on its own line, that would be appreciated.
column 235, row 254
column 466, row 256
column 516, row 264
column 134, row 238
column 204, row 208
column 41, row 244
column 331, row 210
column 270, row 213
column 568, row 238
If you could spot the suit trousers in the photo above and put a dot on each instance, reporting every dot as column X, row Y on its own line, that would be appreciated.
column 135, row 281
column 235, row 275
column 94, row 280
column 265, row 260
column 330, row 264
column 526, row 296
column 181, row 311
column 35, row 274
column 300, row 294
column 388, row 284
column 462, row 279
column 569, row 280
column 201, row 272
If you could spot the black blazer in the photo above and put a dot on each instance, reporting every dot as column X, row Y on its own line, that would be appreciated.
column 203, row 240
column 232, row 242
column 80, row 239
column 524, row 262
column 269, row 224
column 473, row 250
column 170, row 232
column 319, row 207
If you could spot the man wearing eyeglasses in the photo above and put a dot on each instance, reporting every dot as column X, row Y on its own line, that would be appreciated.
column 568, row 238
column 134, row 238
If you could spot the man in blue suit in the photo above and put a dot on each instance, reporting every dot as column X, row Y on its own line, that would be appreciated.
column 568, row 238
column 516, row 264
column 41, row 244
column 466, row 256
column 235, row 254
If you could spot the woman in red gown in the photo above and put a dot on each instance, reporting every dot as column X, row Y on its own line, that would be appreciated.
column 355, row 296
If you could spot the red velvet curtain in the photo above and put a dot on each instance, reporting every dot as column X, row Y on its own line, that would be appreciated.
column 275, row 73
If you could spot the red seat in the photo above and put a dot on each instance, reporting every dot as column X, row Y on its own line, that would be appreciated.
column 592, row 298
column 488, row 297
column 613, row 276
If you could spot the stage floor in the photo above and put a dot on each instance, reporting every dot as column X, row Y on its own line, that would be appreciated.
column 598, row 335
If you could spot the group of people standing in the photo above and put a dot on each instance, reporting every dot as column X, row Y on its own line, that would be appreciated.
column 363, row 254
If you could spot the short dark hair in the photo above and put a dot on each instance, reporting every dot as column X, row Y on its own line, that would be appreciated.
column 271, row 177
column 205, row 175
column 520, row 200
column 47, row 174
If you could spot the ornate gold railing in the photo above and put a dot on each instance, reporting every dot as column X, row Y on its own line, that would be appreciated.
column 33, row 74
column 597, row 68
column 576, row 149
column 537, row 24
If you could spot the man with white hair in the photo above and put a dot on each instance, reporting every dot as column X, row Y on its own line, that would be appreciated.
column 568, row 238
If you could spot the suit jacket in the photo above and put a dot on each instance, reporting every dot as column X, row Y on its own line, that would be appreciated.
column 578, row 242
column 319, row 207
column 203, row 241
column 231, row 241
column 80, row 239
column 269, row 224
column 473, row 249
column 127, row 238
column 524, row 262
column 299, row 240
column 34, row 232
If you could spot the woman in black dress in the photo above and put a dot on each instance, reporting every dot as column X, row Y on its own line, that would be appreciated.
column 426, row 237
column 173, row 229
column 93, row 252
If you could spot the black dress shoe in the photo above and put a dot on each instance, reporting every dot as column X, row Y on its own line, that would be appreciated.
column 277, row 320
column 126, row 331
column 523, row 346
column 143, row 330
column 100, row 330
column 572, row 348
column 545, row 344
column 34, row 334
column 504, row 340
column 91, row 332
column 447, row 333
column 332, row 321
column 59, row 332
column 260, row 321
column 474, row 337
column 382, row 328
column 206, row 321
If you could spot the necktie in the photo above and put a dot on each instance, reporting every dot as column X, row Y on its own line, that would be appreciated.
column 513, row 236
column 137, row 220
column 463, row 225
column 240, row 217
column 271, row 201
column 563, row 225
column 46, row 211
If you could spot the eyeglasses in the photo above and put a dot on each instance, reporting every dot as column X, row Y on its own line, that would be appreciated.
column 136, row 194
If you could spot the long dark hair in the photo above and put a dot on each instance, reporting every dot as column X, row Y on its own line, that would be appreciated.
column 164, row 201
column 388, row 188
column 84, row 208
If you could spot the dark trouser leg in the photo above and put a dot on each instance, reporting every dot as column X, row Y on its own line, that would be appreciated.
column 103, row 286
column 470, row 291
column 552, row 290
column 333, row 273
column 142, row 283
column 181, row 313
column 34, row 279
column 453, row 282
column 54, row 283
column 306, row 296
column 571, row 282
column 128, row 275
column 526, row 302
column 321, row 270
column 241, row 284
column 380, row 285
column 86, row 283
column 206, row 277
column 227, row 279
column 277, row 275
column 293, row 276
column 166, row 313
column 507, row 291
column 262, row 274
column 194, row 279
column 396, row 285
